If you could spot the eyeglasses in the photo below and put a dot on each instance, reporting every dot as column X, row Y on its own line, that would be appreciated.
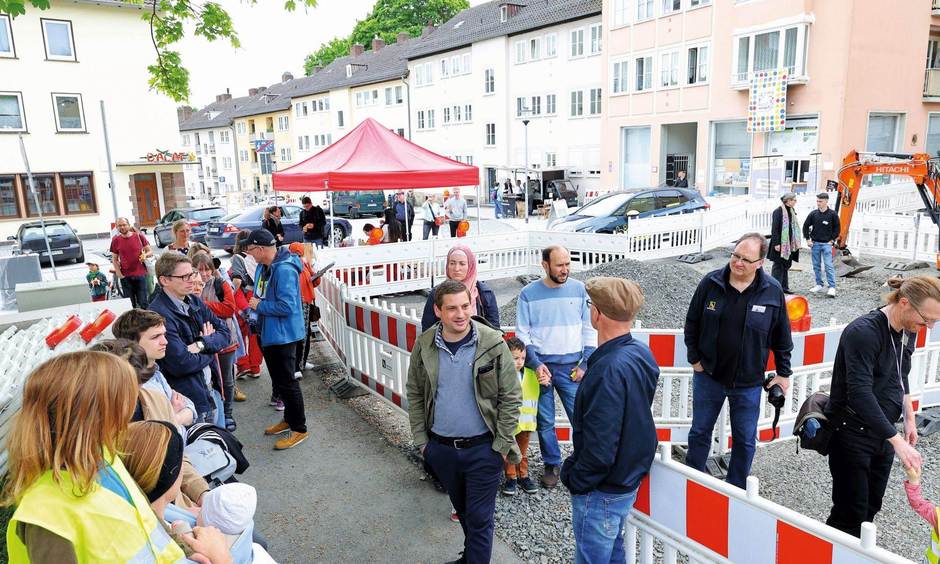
column 736, row 256
column 191, row 276
column 927, row 322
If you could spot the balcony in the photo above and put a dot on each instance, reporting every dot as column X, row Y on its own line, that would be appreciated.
column 932, row 84
column 252, row 136
column 201, row 173
column 742, row 80
column 935, row 7
column 212, row 149
column 198, row 149
column 214, row 172
column 254, row 168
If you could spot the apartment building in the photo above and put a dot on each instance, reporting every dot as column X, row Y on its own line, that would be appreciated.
column 482, row 79
column 262, row 128
column 210, row 135
column 57, row 65
column 678, row 78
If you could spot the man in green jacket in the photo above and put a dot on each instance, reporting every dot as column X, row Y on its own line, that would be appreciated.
column 463, row 403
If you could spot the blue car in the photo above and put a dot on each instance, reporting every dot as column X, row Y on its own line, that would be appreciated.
column 611, row 213
column 221, row 234
column 198, row 218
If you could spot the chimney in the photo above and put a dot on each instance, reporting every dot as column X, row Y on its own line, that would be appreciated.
column 287, row 76
column 252, row 91
column 262, row 89
column 223, row 97
column 183, row 113
column 377, row 43
column 428, row 28
column 356, row 49
column 402, row 37
column 317, row 68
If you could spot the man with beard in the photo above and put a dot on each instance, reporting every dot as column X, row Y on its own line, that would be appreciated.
column 553, row 319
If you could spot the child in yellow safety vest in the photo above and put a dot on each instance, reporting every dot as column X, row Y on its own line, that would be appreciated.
column 517, row 475
column 925, row 509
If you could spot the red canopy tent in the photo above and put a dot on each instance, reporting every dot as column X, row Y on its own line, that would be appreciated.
column 372, row 157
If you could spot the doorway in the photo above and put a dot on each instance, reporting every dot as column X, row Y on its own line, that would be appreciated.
column 146, row 198
column 677, row 153
column 634, row 157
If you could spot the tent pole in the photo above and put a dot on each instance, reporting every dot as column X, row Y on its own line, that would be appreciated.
column 479, row 229
column 326, row 186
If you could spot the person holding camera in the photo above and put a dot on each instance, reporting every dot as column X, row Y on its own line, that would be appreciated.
column 738, row 314
column 870, row 394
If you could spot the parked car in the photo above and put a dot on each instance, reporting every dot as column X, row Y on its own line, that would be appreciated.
column 611, row 213
column 63, row 241
column 198, row 219
column 358, row 203
column 221, row 234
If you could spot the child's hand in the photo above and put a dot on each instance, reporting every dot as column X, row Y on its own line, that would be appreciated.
column 913, row 475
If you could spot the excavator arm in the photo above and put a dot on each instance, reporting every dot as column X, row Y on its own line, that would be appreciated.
column 923, row 171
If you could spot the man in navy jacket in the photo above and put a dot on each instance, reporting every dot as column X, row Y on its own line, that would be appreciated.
column 193, row 333
column 738, row 314
column 614, row 434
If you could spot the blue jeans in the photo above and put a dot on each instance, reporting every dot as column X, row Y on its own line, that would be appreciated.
column 708, row 395
column 135, row 288
column 545, row 420
column 823, row 252
column 598, row 519
column 499, row 208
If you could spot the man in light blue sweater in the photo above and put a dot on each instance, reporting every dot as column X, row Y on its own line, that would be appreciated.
column 553, row 319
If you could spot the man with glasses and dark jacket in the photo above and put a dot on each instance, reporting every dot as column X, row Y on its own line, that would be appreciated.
column 738, row 314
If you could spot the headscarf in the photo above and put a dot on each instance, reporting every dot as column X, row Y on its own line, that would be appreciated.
column 790, row 240
column 471, row 280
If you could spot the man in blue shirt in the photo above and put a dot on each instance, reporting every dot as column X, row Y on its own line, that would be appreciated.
column 405, row 213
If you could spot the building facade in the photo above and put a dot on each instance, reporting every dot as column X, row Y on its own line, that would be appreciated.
column 57, row 66
column 210, row 135
column 678, row 78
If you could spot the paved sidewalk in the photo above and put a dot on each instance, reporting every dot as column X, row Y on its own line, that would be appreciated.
column 345, row 494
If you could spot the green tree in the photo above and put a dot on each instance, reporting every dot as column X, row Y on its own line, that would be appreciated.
column 387, row 19
column 168, row 19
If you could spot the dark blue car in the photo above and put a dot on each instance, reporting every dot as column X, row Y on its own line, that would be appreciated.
column 610, row 213
column 198, row 218
column 221, row 234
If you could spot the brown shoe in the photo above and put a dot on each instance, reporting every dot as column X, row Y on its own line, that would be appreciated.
column 290, row 441
column 550, row 476
column 239, row 395
column 277, row 429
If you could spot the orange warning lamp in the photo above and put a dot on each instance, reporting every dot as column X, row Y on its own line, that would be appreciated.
column 375, row 236
column 95, row 328
column 446, row 194
column 58, row 335
column 462, row 228
column 798, row 312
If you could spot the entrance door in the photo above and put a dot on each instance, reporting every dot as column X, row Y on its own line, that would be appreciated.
column 635, row 157
column 147, row 198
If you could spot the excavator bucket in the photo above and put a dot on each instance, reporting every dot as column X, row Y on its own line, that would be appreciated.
column 847, row 265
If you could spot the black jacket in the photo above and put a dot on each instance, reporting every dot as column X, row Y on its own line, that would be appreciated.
column 315, row 216
column 487, row 307
column 274, row 226
column 776, row 226
column 614, row 433
column 766, row 327
column 820, row 226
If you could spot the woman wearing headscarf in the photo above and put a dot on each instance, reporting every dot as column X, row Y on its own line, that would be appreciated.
column 784, row 240
column 462, row 267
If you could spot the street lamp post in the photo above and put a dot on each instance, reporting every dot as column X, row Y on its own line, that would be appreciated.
column 525, row 182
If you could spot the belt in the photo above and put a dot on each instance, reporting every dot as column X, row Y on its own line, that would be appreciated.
column 462, row 442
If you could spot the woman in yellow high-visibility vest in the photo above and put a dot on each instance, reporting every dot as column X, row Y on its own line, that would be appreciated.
column 75, row 501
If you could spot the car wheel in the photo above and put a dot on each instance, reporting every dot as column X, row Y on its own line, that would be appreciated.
column 338, row 235
column 81, row 258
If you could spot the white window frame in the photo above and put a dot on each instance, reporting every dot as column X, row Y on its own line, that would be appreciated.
column 576, row 104
column 647, row 75
column 672, row 79
column 551, row 159
column 490, row 134
column 45, row 40
column 446, row 119
column 420, row 120
column 535, row 106
column 227, row 163
column 520, row 53
column 467, row 113
column 595, row 103
column 670, row 7
column 619, row 13
column 243, row 155
column 701, row 63
column 576, row 41
column 489, row 82
column 431, row 119
column 241, row 128
column 81, row 112
column 283, row 123
column 551, row 104
column 801, row 56
column 19, row 97
column 225, row 137
column 340, row 119
column 6, row 22
column 520, row 106
column 535, row 48
column 466, row 63
column 185, row 140
column 620, row 77
column 551, row 45
column 455, row 65
column 695, row 4
column 503, row 13
column 644, row 10
column 596, row 39
column 445, row 68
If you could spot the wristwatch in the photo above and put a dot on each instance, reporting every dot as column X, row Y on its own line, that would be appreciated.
column 200, row 345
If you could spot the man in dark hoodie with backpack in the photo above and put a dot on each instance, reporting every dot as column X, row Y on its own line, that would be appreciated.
column 280, row 324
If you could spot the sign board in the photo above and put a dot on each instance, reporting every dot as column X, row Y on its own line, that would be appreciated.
column 264, row 146
column 767, row 103
column 832, row 185
column 161, row 156
column 221, row 179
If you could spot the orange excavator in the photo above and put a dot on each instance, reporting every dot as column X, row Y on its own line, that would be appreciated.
column 924, row 171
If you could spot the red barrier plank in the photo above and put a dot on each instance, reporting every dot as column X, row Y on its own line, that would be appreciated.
column 814, row 349
column 396, row 399
column 706, row 515
column 766, row 435
column 360, row 323
column 664, row 349
column 663, row 434
column 771, row 362
column 376, row 328
column 392, row 330
column 642, row 503
column 563, row 433
column 411, row 334
column 921, row 338
column 796, row 546
column 380, row 389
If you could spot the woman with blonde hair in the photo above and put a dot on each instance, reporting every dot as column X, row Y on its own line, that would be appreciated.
column 75, row 501
column 181, row 231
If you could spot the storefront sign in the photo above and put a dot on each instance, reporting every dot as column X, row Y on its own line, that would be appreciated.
column 767, row 105
column 160, row 156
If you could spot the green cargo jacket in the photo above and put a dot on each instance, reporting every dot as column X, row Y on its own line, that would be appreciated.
column 495, row 385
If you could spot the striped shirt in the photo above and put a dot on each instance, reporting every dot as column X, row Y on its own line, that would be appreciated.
column 555, row 323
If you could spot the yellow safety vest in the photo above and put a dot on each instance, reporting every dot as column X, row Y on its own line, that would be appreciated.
column 530, row 402
column 933, row 551
column 101, row 525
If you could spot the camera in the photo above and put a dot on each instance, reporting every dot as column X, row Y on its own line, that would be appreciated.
column 775, row 395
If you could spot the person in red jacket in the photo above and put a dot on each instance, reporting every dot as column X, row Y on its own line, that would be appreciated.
column 307, row 284
column 241, row 274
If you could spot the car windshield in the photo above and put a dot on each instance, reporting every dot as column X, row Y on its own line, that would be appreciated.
column 206, row 214
column 604, row 206
column 55, row 229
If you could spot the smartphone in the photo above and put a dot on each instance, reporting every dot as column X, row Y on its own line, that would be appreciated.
column 316, row 275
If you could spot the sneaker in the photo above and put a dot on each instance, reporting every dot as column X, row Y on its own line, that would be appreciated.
column 453, row 515
column 274, row 401
column 528, row 486
column 242, row 374
column 308, row 366
column 291, row 440
column 460, row 560
column 815, row 289
column 550, row 476
column 239, row 395
column 831, row 292
column 279, row 406
column 277, row 428
column 255, row 375
column 509, row 488
column 298, row 375
column 230, row 424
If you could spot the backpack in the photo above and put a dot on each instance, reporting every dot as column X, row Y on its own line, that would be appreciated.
column 812, row 426
column 215, row 453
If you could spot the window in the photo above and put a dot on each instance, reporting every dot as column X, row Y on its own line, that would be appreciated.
column 243, row 153
column 520, row 107
column 300, row 109
column 766, row 46
column 618, row 77
column 446, row 116
column 595, row 101
column 698, row 65
column 789, row 49
column 303, row 143
column 6, row 44
column 225, row 136
column 489, row 81
column 670, row 6
column 393, row 96
column 697, row 3
column 58, row 38
column 933, row 137
column 550, row 104
column 503, row 13
column 445, row 68
column 424, row 74
column 597, row 39
column 339, row 119
column 69, row 116
column 227, row 163
column 535, row 49
column 465, row 63
column 882, row 132
column 78, row 193
column 577, row 103
column 669, row 69
column 240, row 128
column 644, row 10
column 551, row 43
column 283, row 123
column 267, row 163
column 8, row 200
column 520, row 52
column 644, row 73
column 285, row 155
column 772, row 49
column 45, row 190
column 551, row 159
column 468, row 113
column 430, row 119
column 186, row 140
column 455, row 65
column 421, row 122
column 490, row 134
column 456, row 114
column 12, row 117
column 619, row 14
column 732, row 164
column 535, row 106
column 577, row 43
